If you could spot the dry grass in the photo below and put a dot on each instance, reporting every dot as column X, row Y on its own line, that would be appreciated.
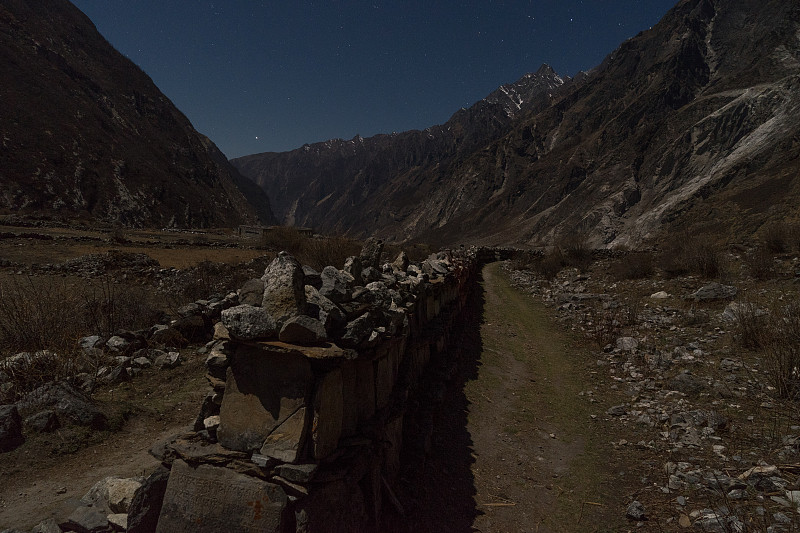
column 638, row 265
column 316, row 252
column 689, row 254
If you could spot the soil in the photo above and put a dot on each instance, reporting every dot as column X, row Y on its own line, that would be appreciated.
column 516, row 447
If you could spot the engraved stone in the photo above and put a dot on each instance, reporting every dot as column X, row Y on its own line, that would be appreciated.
column 210, row 499
column 263, row 389
column 285, row 443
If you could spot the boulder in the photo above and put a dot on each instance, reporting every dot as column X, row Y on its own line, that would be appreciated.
column 302, row 330
column 247, row 322
column 715, row 291
column 193, row 328
column 337, row 286
column 10, row 428
column 353, row 266
column 371, row 253
column 146, row 503
column 44, row 422
column 401, row 262
column 329, row 314
column 86, row 520
column 312, row 277
column 252, row 292
column 112, row 493
column 66, row 401
column 168, row 338
column 168, row 361
column 284, row 290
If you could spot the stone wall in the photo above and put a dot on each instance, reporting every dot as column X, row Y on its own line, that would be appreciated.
column 311, row 378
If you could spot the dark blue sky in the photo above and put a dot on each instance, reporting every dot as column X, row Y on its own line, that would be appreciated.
column 260, row 76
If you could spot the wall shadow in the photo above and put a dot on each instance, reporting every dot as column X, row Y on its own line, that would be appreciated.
column 436, row 488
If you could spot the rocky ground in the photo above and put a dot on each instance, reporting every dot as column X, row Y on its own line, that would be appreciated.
column 715, row 448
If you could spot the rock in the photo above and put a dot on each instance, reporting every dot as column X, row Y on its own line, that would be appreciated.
column 210, row 499
column 353, row 266
column 252, row 292
column 263, row 389
column 358, row 330
column 660, row 295
column 312, row 277
column 112, row 493
column 221, row 333
column 297, row 473
column 10, row 428
column 617, row 410
column 146, row 503
column 284, row 290
column 86, row 520
column 119, row 374
column 636, row 511
column 168, row 361
column 193, row 328
column 117, row 344
column 715, row 291
column 46, row 526
column 370, row 274
column 209, row 408
column 168, row 338
column 44, row 421
column 686, row 383
column 302, row 330
column 285, row 443
column 247, row 322
column 119, row 521
column 66, row 401
column 192, row 309
column 330, row 315
column 627, row 344
column 371, row 253
column 90, row 342
column 401, row 262
column 142, row 362
column 217, row 365
column 336, row 285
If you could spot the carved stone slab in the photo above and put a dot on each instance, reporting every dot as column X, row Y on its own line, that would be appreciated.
column 263, row 390
column 210, row 499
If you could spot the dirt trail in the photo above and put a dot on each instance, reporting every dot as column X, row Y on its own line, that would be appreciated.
column 516, row 447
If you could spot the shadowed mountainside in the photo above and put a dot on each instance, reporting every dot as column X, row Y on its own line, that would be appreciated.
column 86, row 134
column 693, row 123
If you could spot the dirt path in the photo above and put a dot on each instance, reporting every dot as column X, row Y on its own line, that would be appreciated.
column 45, row 479
column 517, row 447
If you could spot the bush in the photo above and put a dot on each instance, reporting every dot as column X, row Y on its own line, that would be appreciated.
column 633, row 266
column 576, row 251
column 782, row 353
column 750, row 326
column 688, row 254
column 760, row 263
column 776, row 238
column 320, row 252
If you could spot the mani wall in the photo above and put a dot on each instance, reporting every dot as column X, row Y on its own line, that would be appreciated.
column 312, row 377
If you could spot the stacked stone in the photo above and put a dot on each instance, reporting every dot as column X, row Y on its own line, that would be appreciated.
column 309, row 375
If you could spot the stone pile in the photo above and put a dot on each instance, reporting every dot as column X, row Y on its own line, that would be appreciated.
column 310, row 375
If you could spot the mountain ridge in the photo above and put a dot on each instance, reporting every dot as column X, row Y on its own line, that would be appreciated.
column 671, row 130
column 87, row 135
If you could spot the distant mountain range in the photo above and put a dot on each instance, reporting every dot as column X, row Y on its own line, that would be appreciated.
column 692, row 124
column 87, row 135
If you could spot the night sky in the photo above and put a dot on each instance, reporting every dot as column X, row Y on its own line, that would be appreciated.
column 260, row 76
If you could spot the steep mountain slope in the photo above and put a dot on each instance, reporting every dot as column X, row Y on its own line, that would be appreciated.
column 321, row 184
column 86, row 134
column 693, row 123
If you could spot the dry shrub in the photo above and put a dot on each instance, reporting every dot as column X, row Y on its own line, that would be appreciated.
column 782, row 351
column 106, row 307
column 571, row 251
column 283, row 238
column 760, row 263
column 576, row 251
column 633, row 266
column 319, row 252
column 750, row 326
column 314, row 251
column 688, row 254
column 36, row 314
column 777, row 237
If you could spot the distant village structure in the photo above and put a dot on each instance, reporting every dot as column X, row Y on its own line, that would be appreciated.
column 258, row 232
